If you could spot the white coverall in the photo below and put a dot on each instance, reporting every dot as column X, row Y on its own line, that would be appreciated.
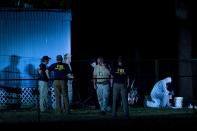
column 160, row 94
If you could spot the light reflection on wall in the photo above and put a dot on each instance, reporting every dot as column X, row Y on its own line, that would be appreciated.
column 30, row 35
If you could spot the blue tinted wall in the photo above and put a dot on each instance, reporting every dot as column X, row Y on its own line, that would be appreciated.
column 27, row 35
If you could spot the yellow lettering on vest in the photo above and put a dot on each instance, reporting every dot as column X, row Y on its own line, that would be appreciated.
column 60, row 67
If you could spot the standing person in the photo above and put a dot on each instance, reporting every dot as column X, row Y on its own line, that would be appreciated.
column 61, row 72
column 67, row 60
column 43, row 84
column 92, row 96
column 160, row 95
column 101, row 81
column 120, row 83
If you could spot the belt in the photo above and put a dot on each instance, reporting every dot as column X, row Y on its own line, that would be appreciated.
column 104, row 83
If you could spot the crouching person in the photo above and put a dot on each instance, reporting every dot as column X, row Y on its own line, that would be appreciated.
column 160, row 95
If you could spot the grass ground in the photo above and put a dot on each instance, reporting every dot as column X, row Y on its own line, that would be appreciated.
column 83, row 118
column 13, row 116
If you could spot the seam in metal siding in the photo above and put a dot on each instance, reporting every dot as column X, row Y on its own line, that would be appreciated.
column 30, row 35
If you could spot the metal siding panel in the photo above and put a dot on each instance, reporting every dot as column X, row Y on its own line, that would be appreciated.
column 32, row 34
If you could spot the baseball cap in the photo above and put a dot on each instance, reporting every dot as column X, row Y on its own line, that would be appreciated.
column 59, row 57
column 45, row 58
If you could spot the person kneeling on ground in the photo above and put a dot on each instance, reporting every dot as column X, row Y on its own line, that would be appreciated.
column 160, row 95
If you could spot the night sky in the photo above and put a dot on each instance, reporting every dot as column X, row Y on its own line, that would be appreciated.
column 134, row 29
column 121, row 27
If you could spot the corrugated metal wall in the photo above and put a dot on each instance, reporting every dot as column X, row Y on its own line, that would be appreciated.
column 31, row 34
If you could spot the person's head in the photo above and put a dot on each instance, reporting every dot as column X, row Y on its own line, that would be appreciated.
column 67, row 58
column 59, row 58
column 120, row 60
column 45, row 59
column 168, row 80
column 93, row 63
column 100, row 60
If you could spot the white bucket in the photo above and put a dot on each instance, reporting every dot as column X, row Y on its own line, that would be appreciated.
column 178, row 102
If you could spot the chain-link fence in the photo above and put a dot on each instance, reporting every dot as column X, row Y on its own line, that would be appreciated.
column 23, row 74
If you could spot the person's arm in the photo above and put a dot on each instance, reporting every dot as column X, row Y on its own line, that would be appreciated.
column 47, row 73
column 111, row 80
column 127, row 77
column 70, row 76
column 94, row 78
column 40, row 69
column 111, row 76
column 68, row 72
column 94, row 81
column 128, row 81
column 48, row 70
column 165, row 87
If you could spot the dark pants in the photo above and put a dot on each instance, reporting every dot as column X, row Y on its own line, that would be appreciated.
column 122, row 90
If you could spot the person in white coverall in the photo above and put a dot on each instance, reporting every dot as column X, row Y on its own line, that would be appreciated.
column 160, row 95
column 67, row 60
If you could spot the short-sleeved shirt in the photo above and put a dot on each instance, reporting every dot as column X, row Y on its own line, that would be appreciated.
column 102, row 73
column 61, row 70
column 120, row 74
column 43, row 75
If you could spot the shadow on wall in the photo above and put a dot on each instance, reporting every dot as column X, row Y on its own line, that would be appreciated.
column 11, row 75
column 31, row 70
column 32, row 73
column 11, row 83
